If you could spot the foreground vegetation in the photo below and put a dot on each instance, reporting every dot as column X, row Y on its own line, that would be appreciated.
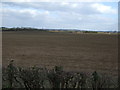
column 36, row 77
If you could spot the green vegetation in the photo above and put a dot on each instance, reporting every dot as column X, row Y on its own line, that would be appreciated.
column 35, row 77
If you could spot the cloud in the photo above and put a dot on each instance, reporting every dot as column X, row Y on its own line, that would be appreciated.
column 93, row 16
column 103, row 8
column 60, row 0
column 82, row 8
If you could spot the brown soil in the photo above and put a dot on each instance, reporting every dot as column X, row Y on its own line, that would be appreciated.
column 75, row 52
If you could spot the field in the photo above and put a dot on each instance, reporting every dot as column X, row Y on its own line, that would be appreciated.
column 75, row 52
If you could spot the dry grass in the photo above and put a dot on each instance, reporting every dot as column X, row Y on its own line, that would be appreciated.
column 75, row 52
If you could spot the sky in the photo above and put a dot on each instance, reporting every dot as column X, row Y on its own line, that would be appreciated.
column 99, row 16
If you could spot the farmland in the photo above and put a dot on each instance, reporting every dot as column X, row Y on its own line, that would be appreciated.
column 75, row 52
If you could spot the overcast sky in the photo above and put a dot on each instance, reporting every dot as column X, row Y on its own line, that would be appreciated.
column 69, row 15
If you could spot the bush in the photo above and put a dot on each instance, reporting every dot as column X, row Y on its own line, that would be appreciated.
column 35, row 77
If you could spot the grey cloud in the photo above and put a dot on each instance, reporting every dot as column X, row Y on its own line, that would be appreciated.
column 56, row 15
column 82, row 8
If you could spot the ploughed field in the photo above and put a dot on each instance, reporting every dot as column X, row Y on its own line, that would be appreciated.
column 75, row 52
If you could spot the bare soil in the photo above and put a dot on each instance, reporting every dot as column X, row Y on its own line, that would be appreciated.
column 75, row 52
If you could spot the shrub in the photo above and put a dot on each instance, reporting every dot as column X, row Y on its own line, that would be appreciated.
column 35, row 77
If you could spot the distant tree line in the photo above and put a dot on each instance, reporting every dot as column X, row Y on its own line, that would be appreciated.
column 52, row 30
column 89, row 31
column 21, row 29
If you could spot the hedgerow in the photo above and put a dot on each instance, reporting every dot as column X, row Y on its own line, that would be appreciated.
column 36, row 77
